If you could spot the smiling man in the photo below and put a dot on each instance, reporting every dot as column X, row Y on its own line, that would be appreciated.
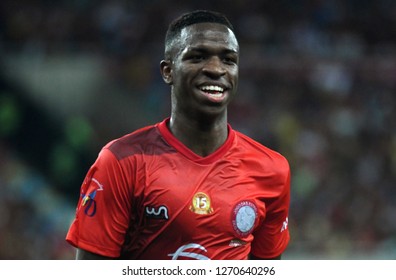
column 190, row 186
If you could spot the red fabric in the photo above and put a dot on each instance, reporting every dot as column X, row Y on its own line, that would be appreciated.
column 148, row 196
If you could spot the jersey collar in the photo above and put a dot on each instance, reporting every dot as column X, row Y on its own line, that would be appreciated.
column 182, row 149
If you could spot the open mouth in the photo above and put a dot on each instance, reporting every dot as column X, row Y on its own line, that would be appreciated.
column 213, row 91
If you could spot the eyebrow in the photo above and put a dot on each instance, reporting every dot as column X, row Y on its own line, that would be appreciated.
column 205, row 50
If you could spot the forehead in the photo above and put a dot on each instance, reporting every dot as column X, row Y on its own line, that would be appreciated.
column 208, row 34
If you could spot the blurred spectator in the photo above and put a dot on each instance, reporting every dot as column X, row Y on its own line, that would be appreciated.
column 318, row 79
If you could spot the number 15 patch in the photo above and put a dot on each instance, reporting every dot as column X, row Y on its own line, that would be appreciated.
column 201, row 204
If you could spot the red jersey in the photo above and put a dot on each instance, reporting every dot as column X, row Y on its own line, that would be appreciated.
column 147, row 196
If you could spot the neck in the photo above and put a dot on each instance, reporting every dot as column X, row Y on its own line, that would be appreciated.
column 202, row 136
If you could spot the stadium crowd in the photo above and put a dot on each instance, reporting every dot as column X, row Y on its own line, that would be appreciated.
column 317, row 83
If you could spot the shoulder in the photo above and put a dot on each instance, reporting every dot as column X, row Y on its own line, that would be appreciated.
column 139, row 141
column 261, row 156
column 269, row 167
column 261, row 150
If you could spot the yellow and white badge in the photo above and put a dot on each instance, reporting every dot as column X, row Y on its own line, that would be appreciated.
column 201, row 204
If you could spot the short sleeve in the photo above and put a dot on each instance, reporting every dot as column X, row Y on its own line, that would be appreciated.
column 103, row 209
column 272, row 236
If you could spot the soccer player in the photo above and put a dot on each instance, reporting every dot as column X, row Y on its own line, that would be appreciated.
column 190, row 186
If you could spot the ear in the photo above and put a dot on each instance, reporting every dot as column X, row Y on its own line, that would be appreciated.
column 166, row 71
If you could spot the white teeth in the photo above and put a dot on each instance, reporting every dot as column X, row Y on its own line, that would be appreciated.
column 212, row 88
column 216, row 95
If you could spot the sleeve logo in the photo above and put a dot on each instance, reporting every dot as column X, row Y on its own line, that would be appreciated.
column 88, row 199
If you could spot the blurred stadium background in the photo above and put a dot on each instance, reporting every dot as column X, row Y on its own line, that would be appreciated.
column 318, row 82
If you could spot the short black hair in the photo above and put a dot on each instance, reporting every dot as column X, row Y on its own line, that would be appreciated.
column 190, row 18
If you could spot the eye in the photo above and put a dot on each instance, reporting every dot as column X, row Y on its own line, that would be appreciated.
column 197, row 57
column 230, row 60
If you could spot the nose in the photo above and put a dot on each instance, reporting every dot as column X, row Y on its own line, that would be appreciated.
column 214, row 67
